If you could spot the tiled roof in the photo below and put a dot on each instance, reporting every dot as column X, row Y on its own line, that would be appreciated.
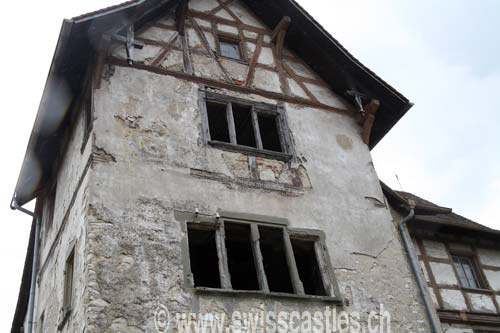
column 105, row 10
column 430, row 215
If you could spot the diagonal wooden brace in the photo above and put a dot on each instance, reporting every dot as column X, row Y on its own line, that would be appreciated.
column 370, row 110
column 279, row 33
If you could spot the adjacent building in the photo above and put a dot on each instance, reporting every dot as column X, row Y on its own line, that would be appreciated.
column 460, row 264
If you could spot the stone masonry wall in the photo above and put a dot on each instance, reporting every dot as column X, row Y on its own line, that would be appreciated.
column 150, row 126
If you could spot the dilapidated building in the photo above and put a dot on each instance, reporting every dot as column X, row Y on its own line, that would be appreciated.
column 208, row 156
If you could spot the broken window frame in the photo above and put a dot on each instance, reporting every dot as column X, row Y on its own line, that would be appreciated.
column 257, row 108
column 198, row 221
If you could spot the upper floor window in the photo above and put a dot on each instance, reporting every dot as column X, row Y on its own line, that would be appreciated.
column 245, row 126
column 230, row 48
column 467, row 271
column 255, row 255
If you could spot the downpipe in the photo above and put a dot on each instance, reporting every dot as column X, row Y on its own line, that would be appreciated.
column 31, row 305
column 415, row 266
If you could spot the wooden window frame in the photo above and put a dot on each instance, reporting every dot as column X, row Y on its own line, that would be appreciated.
column 221, row 37
column 476, row 270
column 212, row 223
column 278, row 111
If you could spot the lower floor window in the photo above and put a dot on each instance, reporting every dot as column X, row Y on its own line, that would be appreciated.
column 247, row 255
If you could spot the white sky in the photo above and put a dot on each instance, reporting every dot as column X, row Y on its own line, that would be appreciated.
column 443, row 55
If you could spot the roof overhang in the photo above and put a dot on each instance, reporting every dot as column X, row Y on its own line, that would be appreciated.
column 430, row 218
column 77, row 43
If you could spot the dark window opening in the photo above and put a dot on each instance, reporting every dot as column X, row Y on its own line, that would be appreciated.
column 308, row 267
column 217, row 121
column 230, row 48
column 274, row 258
column 203, row 258
column 269, row 132
column 68, row 281
column 467, row 272
column 243, row 125
column 240, row 257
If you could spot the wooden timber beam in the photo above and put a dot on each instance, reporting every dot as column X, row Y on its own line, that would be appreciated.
column 180, row 16
column 279, row 33
column 370, row 110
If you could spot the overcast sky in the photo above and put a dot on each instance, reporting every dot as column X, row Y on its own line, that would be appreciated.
column 442, row 55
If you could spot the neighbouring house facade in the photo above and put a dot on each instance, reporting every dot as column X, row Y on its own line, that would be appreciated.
column 460, row 264
column 208, row 156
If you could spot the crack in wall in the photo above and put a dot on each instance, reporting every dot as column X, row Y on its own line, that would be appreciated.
column 101, row 155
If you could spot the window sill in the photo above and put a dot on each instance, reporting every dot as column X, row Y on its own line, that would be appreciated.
column 64, row 320
column 241, row 61
column 250, row 151
column 263, row 294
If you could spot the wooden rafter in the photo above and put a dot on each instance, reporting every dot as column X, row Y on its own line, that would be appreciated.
column 223, row 5
column 285, row 87
column 180, row 16
column 370, row 110
column 219, row 7
column 253, row 62
column 279, row 33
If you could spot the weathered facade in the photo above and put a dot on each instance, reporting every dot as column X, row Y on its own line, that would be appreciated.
column 460, row 263
column 202, row 161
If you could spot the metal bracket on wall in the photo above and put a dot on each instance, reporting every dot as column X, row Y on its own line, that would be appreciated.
column 130, row 43
column 358, row 99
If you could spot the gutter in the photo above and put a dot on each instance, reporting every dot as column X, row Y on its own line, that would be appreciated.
column 405, row 235
column 31, row 304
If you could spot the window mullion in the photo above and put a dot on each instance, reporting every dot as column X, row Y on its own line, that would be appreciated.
column 225, row 277
column 230, row 123
column 258, row 259
column 292, row 265
column 282, row 130
column 256, row 128
column 320, row 257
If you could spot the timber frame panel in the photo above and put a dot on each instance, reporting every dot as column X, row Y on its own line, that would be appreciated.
column 261, row 38
column 469, row 315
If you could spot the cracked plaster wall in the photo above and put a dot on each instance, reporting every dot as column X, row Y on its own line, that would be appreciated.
column 150, row 125
column 148, row 159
